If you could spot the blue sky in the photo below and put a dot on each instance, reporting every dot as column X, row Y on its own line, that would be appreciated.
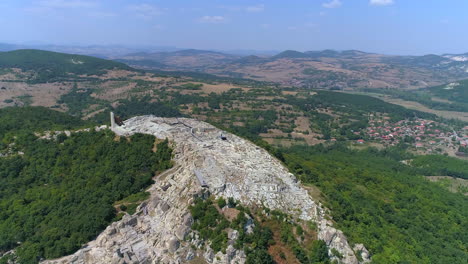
column 385, row 26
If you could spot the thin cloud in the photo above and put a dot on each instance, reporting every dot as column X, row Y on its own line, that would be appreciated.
column 67, row 4
column 213, row 19
column 146, row 11
column 55, row 7
column 257, row 8
column 381, row 2
column 231, row 8
column 332, row 4
column 251, row 9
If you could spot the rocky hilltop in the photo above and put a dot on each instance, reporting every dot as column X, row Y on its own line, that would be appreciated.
column 206, row 160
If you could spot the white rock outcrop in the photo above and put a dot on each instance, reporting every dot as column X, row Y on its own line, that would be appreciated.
column 233, row 167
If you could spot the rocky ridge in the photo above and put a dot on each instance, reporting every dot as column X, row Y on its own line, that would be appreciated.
column 206, row 159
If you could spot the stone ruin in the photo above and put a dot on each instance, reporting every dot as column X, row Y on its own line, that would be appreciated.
column 158, row 232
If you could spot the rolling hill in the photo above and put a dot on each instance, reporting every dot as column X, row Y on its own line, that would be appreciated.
column 48, row 65
column 321, row 136
column 456, row 91
column 190, row 59
column 330, row 69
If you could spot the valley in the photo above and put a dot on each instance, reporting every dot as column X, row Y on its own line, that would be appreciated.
column 233, row 132
column 329, row 69
column 305, row 168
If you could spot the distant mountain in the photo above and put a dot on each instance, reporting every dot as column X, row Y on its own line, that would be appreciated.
column 190, row 59
column 261, row 53
column 101, row 51
column 195, row 52
column 429, row 60
column 251, row 60
column 320, row 54
column 49, row 65
column 348, row 69
column 290, row 54
column 9, row 47
column 143, row 64
column 457, row 57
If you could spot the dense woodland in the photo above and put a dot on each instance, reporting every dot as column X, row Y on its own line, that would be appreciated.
column 456, row 96
column 435, row 165
column 58, row 193
column 19, row 119
column 373, row 197
column 386, row 205
column 53, row 66
column 456, row 92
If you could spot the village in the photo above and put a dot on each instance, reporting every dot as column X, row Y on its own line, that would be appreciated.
column 426, row 136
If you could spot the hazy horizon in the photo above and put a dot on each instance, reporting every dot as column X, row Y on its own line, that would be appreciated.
column 379, row 26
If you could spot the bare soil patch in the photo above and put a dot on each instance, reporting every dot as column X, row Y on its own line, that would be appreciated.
column 113, row 90
column 44, row 94
column 230, row 213
column 111, row 74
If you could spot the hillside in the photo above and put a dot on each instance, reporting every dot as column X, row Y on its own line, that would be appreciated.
column 46, row 66
column 257, row 110
column 390, row 207
column 454, row 92
column 450, row 99
column 36, row 118
column 346, row 150
column 58, row 189
column 349, row 69
column 190, row 59
column 168, row 228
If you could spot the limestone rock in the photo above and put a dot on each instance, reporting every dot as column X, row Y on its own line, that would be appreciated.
column 159, row 232
column 249, row 225
column 190, row 255
column 233, row 234
column 362, row 250
column 182, row 232
column 173, row 244
column 209, row 255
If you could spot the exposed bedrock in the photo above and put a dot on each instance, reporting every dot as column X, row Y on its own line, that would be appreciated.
column 227, row 166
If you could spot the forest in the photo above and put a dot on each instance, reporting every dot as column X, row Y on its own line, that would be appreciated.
column 384, row 204
column 434, row 165
column 53, row 66
column 458, row 101
column 455, row 92
column 356, row 105
column 57, row 194
column 16, row 119
column 374, row 198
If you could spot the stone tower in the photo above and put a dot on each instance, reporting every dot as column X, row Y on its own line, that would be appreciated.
column 112, row 118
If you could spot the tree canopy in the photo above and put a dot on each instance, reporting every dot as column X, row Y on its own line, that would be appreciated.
column 59, row 193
